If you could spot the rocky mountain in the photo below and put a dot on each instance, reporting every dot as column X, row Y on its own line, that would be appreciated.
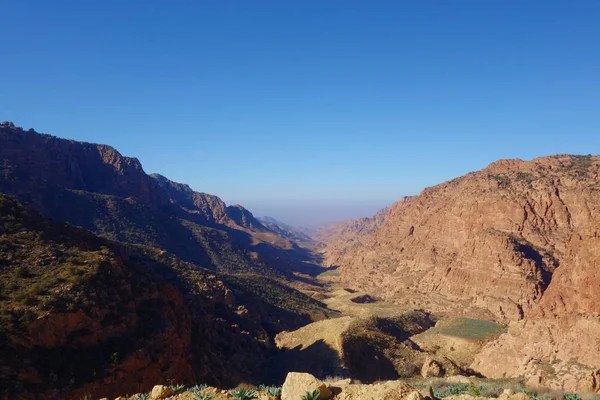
column 341, row 236
column 82, row 314
column 297, row 234
column 517, row 239
column 148, row 280
column 95, row 187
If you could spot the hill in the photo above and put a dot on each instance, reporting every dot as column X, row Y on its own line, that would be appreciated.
column 82, row 314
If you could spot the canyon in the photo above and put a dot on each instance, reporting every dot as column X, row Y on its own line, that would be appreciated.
column 114, row 280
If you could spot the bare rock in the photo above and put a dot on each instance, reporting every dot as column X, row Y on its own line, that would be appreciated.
column 297, row 384
column 161, row 392
column 431, row 368
column 520, row 396
column 416, row 395
column 456, row 379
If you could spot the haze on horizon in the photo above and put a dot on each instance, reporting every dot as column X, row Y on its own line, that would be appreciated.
column 309, row 111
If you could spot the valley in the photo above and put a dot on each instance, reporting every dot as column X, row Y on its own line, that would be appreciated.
column 113, row 281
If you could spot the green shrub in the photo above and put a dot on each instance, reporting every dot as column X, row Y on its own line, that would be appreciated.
column 275, row 391
column 314, row 395
column 450, row 390
column 198, row 388
column 572, row 396
column 143, row 396
column 177, row 388
column 203, row 396
column 199, row 392
column 243, row 394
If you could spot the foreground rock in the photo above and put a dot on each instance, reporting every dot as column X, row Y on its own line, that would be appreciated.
column 297, row 384
column 160, row 392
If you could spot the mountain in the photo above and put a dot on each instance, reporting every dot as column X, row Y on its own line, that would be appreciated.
column 82, row 314
column 297, row 234
column 94, row 186
column 340, row 236
column 518, row 242
column 112, row 279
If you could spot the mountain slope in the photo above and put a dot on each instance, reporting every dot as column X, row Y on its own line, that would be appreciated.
column 95, row 187
column 82, row 314
column 342, row 236
column 519, row 239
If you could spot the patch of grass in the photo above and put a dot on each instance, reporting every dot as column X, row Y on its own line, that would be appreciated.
column 472, row 329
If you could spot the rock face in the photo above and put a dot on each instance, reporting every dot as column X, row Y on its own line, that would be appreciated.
column 94, row 186
column 297, row 384
column 519, row 239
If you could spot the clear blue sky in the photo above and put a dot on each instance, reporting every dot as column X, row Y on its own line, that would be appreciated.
column 307, row 110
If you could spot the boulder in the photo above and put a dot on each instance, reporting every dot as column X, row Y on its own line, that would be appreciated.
column 297, row 384
column 431, row 368
column 161, row 392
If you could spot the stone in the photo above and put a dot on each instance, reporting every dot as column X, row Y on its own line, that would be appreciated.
column 508, row 392
column 520, row 396
column 297, row 384
column 431, row 368
column 161, row 392
column 414, row 396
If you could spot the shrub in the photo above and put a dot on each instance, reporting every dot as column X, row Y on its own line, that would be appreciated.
column 198, row 388
column 450, row 390
column 243, row 394
column 572, row 396
column 203, row 396
column 275, row 391
column 177, row 388
column 199, row 394
column 314, row 395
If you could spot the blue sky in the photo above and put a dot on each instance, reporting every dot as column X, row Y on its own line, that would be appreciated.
column 309, row 111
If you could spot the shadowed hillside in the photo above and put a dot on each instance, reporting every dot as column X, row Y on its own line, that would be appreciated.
column 82, row 314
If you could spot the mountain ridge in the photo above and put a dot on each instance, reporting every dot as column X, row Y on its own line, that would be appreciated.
column 515, row 242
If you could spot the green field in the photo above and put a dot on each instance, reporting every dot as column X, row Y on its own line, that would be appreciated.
column 473, row 329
